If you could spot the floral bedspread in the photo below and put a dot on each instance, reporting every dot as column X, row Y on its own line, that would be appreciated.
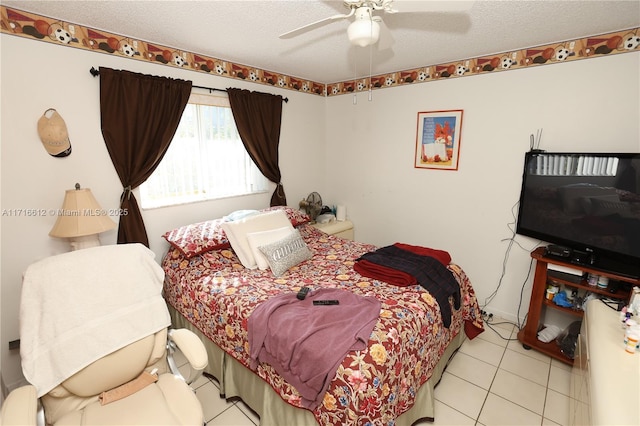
column 374, row 386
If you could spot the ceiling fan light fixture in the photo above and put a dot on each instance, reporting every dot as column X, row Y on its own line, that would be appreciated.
column 363, row 32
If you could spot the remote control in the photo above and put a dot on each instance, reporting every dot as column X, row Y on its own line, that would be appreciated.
column 326, row 302
column 303, row 293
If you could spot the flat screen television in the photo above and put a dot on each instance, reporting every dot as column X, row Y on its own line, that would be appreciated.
column 588, row 203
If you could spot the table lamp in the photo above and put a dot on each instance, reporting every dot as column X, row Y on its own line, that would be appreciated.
column 81, row 219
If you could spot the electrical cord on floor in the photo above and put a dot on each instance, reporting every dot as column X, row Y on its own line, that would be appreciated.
column 488, row 321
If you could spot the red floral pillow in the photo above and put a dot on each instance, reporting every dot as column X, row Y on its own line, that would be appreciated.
column 198, row 238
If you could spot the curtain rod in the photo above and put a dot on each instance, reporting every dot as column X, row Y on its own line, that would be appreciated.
column 94, row 72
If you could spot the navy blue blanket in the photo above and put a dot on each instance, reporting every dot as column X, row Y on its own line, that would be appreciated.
column 428, row 271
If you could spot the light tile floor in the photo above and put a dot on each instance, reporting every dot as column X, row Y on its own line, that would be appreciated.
column 492, row 380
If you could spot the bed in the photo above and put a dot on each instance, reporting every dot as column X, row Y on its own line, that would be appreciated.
column 209, row 291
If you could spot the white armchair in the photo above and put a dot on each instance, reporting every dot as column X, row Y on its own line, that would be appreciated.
column 20, row 407
column 95, row 343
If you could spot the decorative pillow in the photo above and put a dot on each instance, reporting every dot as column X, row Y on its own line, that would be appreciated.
column 198, row 238
column 237, row 232
column 257, row 239
column 286, row 253
column 296, row 216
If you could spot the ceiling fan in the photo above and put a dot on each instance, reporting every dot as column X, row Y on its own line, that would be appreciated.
column 368, row 27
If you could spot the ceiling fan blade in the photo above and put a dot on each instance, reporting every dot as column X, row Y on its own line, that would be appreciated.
column 316, row 24
column 385, row 40
column 408, row 6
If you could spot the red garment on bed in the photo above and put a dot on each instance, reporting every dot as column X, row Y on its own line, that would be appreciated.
column 404, row 279
column 384, row 273
column 394, row 276
column 306, row 343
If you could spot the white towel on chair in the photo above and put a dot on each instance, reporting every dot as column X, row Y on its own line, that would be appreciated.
column 80, row 306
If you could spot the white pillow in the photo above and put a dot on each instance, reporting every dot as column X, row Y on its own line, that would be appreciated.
column 257, row 239
column 237, row 231
column 239, row 214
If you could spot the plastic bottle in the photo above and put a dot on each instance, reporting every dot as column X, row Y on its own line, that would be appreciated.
column 603, row 282
column 632, row 342
column 628, row 329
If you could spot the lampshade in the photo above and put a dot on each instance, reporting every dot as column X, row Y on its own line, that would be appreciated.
column 81, row 216
column 363, row 32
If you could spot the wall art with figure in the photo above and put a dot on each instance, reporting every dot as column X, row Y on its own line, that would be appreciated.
column 438, row 139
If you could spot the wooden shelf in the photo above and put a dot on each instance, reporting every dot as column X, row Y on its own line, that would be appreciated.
column 538, row 304
column 583, row 285
column 570, row 311
column 552, row 349
column 539, row 255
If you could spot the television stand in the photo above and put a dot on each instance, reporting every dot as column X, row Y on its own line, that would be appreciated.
column 538, row 304
column 608, row 265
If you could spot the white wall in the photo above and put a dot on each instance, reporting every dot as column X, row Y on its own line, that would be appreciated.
column 588, row 105
column 37, row 76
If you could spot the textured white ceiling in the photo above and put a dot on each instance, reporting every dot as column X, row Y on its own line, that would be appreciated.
column 246, row 32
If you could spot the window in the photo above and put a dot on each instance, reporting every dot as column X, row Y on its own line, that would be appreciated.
column 205, row 161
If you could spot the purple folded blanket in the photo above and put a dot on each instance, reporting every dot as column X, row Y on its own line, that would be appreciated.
column 306, row 343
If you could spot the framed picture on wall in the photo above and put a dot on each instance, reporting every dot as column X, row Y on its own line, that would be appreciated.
column 438, row 139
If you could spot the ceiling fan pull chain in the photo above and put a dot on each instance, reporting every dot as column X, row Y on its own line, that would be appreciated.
column 370, row 60
column 355, row 79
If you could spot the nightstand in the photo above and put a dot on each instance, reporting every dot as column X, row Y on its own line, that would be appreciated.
column 342, row 229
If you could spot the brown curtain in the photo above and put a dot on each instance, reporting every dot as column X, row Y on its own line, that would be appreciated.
column 258, row 119
column 139, row 116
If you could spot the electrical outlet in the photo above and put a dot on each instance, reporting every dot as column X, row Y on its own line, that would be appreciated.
column 486, row 315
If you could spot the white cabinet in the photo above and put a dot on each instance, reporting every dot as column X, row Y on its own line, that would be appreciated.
column 605, row 379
